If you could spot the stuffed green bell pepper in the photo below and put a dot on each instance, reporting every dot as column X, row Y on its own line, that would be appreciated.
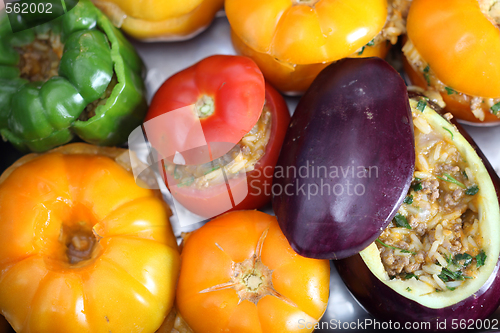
column 73, row 76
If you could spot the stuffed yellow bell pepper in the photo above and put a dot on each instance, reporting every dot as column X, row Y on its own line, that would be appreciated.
column 293, row 40
column 154, row 20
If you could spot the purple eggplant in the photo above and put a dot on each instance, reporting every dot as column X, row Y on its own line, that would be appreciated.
column 472, row 307
column 347, row 161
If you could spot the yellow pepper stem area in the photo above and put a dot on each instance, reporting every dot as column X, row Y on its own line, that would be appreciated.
column 79, row 241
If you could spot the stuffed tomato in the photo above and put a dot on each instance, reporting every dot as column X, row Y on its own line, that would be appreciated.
column 84, row 247
column 239, row 274
column 457, row 55
column 292, row 41
column 219, row 128
column 437, row 261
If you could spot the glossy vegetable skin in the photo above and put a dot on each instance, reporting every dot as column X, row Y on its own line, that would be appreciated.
column 462, row 50
column 386, row 304
column 291, row 78
column 239, row 274
column 291, row 39
column 38, row 116
column 239, row 92
column 160, row 20
column 84, row 248
column 358, row 182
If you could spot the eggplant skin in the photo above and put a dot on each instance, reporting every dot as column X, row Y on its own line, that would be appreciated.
column 355, row 116
column 385, row 304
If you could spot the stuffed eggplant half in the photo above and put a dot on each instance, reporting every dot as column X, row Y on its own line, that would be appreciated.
column 438, row 258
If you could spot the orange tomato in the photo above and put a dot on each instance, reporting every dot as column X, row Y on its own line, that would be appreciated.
column 84, row 248
column 461, row 44
column 292, row 41
column 239, row 274
column 153, row 20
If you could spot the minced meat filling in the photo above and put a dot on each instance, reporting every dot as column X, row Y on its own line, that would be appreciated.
column 241, row 158
column 435, row 234
column 39, row 60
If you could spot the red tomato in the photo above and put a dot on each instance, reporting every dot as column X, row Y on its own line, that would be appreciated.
column 233, row 91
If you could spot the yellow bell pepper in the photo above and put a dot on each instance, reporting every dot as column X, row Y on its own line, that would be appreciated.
column 84, row 248
column 152, row 20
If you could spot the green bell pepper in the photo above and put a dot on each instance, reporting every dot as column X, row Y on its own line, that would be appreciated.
column 98, row 94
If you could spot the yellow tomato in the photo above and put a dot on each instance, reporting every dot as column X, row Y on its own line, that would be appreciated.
column 239, row 274
column 292, row 40
column 84, row 248
column 152, row 20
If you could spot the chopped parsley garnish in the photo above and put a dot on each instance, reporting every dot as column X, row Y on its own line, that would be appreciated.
column 421, row 106
column 449, row 131
column 449, row 259
column 401, row 221
column 450, row 91
column 438, row 290
column 495, row 108
column 480, row 259
column 408, row 288
column 447, row 275
column 408, row 200
column 417, row 187
column 393, row 247
column 426, row 75
column 472, row 190
column 452, row 180
column 371, row 43
column 362, row 50
column 465, row 174
column 463, row 256
column 417, row 179
column 409, row 276
column 451, row 288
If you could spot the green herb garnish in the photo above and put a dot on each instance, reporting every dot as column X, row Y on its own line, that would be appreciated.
column 465, row 174
column 447, row 275
column 495, row 108
column 401, row 221
column 362, row 50
column 371, row 43
column 426, row 75
column 409, row 276
column 421, row 106
column 408, row 200
column 408, row 288
column 417, row 187
column 480, row 259
column 449, row 131
column 472, row 190
column 449, row 259
column 452, row 180
column 463, row 256
column 212, row 169
column 450, row 91
column 393, row 247
column 451, row 288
